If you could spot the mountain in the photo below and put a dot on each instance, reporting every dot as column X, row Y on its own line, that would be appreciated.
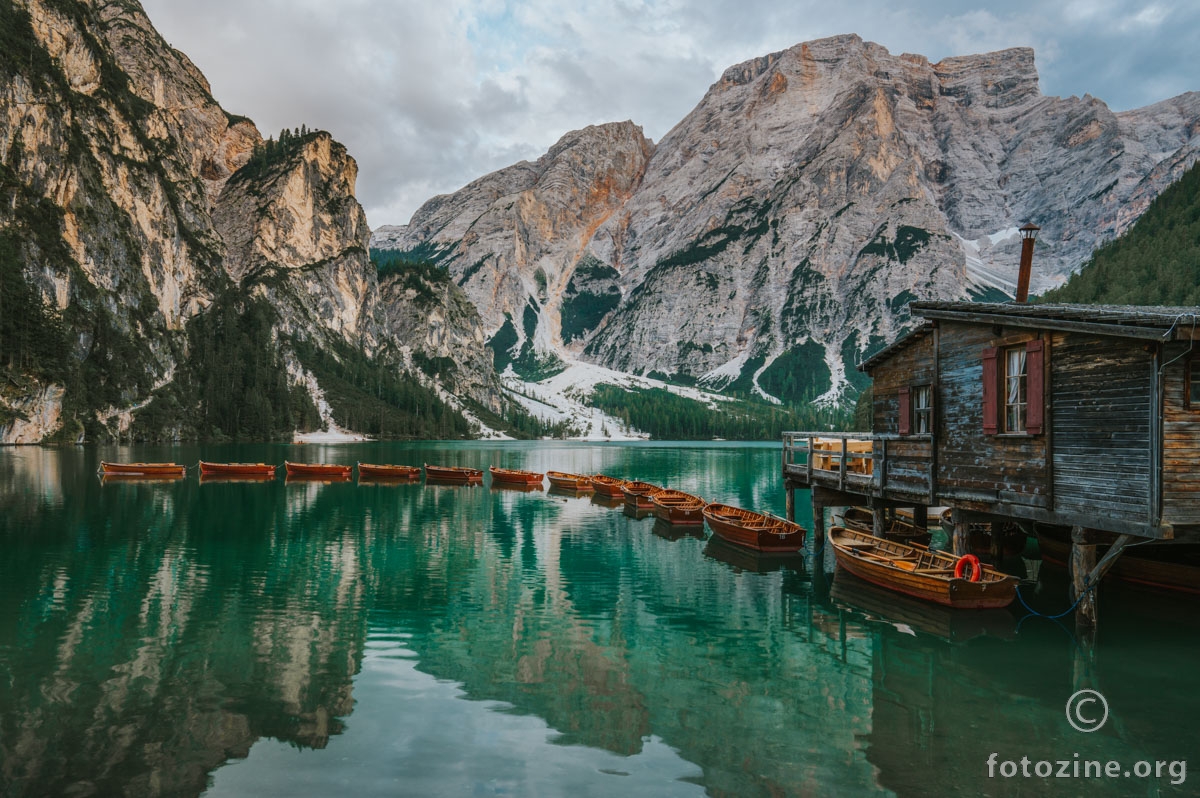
column 167, row 273
column 773, row 238
column 1156, row 261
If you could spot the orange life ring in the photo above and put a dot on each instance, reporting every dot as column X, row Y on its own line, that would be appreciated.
column 961, row 566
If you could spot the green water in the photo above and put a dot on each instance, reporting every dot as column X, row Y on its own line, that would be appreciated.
column 235, row 639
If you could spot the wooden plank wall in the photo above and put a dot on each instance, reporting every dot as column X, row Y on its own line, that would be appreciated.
column 1181, row 439
column 1100, row 412
column 912, row 365
column 1013, row 467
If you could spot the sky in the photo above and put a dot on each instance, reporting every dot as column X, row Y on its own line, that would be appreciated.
column 428, row 95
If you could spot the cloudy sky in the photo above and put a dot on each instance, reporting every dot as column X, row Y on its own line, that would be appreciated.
column 431, row 94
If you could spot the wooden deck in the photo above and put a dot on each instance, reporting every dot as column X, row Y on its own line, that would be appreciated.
column 903, row 471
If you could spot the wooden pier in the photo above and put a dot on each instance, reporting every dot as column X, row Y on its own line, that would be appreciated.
column 1083, row 418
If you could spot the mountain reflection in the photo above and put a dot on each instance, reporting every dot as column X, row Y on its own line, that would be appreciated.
column 150, row 633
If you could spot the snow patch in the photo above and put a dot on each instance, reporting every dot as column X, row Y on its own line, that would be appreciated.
column 562, row 398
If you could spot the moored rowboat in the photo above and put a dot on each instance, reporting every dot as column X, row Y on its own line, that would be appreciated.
column 608, row 486
column 515, row 476
column 919, row 572
column 573, row 482
column 679, row 508
column 763, row 533
column 237, row 469
column 317, row 469
column 638, row 495
column 377, row 471
column 453, row 474
column 901, row 530
column 143, row 469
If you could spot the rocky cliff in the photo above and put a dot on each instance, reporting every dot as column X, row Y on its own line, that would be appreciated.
column 776, row 234
column 146, row 231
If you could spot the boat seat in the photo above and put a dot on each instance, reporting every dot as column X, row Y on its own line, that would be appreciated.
column 934, row 571
column 858, row 544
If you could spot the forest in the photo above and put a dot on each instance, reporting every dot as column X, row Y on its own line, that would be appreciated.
column 1156, row 261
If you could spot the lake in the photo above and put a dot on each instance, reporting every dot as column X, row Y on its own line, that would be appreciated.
column 282, row 639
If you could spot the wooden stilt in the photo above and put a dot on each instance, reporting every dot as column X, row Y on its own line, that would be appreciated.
column 789, row 500
column 1083, row 562
column 995, row 531
column 921, row 517
column 817, row 545
column 878, row 519
column 960, row 532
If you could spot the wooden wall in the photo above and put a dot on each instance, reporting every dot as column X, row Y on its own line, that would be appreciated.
column 912, row 365
column 1181, row 439
column 1012, row 467
column 1100, row 420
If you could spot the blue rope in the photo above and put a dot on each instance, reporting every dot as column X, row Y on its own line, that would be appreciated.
column 1087, row 589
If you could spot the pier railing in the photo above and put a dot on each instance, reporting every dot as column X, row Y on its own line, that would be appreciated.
column 861, row 462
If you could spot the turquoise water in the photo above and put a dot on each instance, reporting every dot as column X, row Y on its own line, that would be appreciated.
column 232, row 639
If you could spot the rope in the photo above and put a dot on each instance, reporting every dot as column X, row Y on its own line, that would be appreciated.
column 1087, row 589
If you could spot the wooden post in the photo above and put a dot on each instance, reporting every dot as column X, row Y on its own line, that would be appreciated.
column 960, row 532
column 877, row 519
column 921, row 517
column 818, row 530
column 789, row 500
column 1083, row 561
column 995, row 531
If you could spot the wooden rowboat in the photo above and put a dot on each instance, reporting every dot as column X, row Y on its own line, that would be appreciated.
column 763, row 533
column 919, row 572
column 638, row 495
column 573, row 482
column 377, row 471
column 679, row 508
column 608, row 486
column 456, row 474
column 237, row 469
column 900, row 529
column 317, row 470
column 515, row 476
column 143, row 469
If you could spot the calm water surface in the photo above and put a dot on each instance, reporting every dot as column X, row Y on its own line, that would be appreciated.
column 231, row 639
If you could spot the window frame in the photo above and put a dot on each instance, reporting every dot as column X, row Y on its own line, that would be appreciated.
column 922, row 413
column 1191, row 383
column 1021, row 406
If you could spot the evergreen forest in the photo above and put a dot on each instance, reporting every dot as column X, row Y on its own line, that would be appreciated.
column 1156, row 262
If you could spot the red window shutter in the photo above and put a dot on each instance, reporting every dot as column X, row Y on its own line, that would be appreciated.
column 905, row 412
column 991, row 386
column 1035, row 387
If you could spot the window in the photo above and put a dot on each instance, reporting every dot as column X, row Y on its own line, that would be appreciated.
column 922, row 409
column 1193, row 383
column 1014, row 389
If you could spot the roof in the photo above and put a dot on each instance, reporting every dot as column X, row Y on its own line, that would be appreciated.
column 1125, row 321
column 903, row 342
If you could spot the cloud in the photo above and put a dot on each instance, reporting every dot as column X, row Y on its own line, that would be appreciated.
column 429, row 96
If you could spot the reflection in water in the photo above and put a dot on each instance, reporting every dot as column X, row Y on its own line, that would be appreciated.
column 441, row 640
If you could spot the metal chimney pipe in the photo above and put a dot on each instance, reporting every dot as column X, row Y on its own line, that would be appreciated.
column 1028, row 235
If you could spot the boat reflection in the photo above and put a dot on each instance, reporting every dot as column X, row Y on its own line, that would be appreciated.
column 208, row 479
column 611, row 502
column 567, row 492
column 512, row 487
column 314, row 479
column 913, row 616
column 141, row 479
column 389, row 481
column 669, row 531
column 743, row 559
column 636, row 513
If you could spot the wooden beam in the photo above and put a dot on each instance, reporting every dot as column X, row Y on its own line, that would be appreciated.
column 961, row 527
column 818, row 532
column 1110, row 557
column 1083, row 562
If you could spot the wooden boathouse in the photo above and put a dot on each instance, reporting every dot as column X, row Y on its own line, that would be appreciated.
column 1073, row 416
